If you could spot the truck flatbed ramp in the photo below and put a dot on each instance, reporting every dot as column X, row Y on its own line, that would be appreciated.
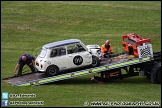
column 34, row 79
column 16, row 80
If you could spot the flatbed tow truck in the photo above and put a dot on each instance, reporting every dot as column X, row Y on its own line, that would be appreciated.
column 137, row 59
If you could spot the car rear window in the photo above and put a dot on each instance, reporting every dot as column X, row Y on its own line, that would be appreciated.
column 42, row 53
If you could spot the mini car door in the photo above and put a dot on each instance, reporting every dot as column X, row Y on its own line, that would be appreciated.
column 59, row 58
column 78, row 56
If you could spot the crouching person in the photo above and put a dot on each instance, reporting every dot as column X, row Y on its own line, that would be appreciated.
column 25, row 59
column 106, row 49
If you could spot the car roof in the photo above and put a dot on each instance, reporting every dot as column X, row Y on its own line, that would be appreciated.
column 61, row 43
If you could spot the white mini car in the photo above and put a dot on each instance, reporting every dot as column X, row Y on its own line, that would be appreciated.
column 63, row 55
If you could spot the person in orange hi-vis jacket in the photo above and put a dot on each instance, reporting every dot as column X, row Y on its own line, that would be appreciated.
column 106, row 49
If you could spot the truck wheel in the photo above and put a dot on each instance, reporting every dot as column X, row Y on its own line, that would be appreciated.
column 52, row 70
column 95, row 61
column 156, row 73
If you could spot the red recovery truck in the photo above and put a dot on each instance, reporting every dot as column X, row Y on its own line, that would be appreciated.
column 135, row 47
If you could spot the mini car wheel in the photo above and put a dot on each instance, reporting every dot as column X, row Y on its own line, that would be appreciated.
column 95, row 61
column 52, row 70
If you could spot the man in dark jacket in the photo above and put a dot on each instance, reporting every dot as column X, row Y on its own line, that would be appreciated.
column 24, row 59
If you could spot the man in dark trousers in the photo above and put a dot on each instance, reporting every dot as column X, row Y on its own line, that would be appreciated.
column 24, row 59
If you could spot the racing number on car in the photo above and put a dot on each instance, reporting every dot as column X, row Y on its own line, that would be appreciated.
column 78, row 60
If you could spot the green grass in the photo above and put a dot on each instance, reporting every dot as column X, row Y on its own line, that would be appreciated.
column 26, row 26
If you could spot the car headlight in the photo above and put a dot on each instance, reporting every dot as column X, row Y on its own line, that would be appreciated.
column 98, row 52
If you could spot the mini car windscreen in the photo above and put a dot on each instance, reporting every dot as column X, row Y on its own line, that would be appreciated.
column 85, row 47
column 42, row 53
